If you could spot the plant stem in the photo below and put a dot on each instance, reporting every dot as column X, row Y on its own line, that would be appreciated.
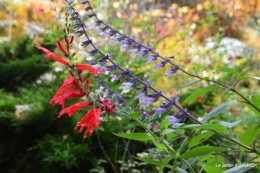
column 164, row 143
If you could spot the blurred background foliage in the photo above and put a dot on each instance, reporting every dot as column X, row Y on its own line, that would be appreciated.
column 202, row 35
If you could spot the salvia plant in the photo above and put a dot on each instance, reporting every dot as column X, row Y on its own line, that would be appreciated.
column 163, row 125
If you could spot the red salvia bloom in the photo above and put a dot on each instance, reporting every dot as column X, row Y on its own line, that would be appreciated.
column 89, row 121
column 61, row 47
column 93, row 71
column 71, row 110
column 108, row 106
column 53, row 55
column 66, row 91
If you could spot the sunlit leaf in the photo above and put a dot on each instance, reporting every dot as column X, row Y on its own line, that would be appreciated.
column 200, row 151
column 199, row 92
column 135, row 136
column 250, row 135
column 217, row 110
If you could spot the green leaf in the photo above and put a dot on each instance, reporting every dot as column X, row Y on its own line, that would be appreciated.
column 200, row 138
column 255, row 99
column 181, row 170
column 229, row 125
column 166, row 160
column 200, row 151
column 250, row 135
column 183, row 144
column 239, row 169
column 135, row 114
column 190, row 83
column 164, row 125
column 217, row 110
column 216, row 127
column 160, row 146
column 155, row 162
column 228, row 70
column 245, row 77
column 134, row 104
column 196, row 67
column 135, row 136
column 199, row 92
column 130, row 101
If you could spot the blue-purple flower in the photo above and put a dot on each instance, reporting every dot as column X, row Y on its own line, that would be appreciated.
column 152, row 57
column 179, row 117
column 162, row 64
column 173, row 70
column 166, row 105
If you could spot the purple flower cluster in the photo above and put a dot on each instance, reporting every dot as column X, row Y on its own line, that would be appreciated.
column 128, row 80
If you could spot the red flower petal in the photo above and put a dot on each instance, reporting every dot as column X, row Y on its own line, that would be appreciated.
column 71, row 110
column 53, row 55
column 90, row 121
column 92, row 70
column 61, row 47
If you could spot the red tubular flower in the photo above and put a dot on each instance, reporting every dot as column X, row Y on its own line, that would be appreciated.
column 87, row 84
column 66, row 91
column 93, row 71
column 71, row 110
column 108, row 106
column 90, row 121
column 61, row 47
column 53, row 55
column 60, row 99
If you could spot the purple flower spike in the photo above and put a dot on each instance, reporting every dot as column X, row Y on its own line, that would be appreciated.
column 126, row 86
column 94, row 24
column 126, row 44
column 135, row 49
column 120, row 100
column 162, row 64
column 86, row 43
column 124, row 74
column 113, row 77
column 143, row 52
column 155, row 96
column 113, row 67
column 173, row 70
column 179, row 117
column 166, row 105
column 152, row 57
column 118, row 39
column 104, row 58
column 109, row 34
column 174, row 119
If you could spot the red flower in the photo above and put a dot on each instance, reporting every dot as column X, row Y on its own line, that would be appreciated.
column 66, row 91
column 53, row 55
column 93, row 71
column 61, row 47
column 72, row 109
column 231, row 58
column 199, row 98
column 108, row 106
column 90, row 121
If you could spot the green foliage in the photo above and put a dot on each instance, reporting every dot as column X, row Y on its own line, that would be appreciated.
column 20, row 63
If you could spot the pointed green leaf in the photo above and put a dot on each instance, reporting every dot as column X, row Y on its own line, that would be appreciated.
column 217, row 110
column 155, row 162
column 190, row 83
column 160, row 146
column 199, row 92
column 135, row 114
column 166, row 160
column 200, row 151
column 200, row 138
column 164, row 125
column 245, row 77
column 135, row 136
column 228, row 70
column 255, row 99
column 181, row 170
column 229, row 125
column 216, row 127
column 134, row 104
column 250, row 135
column 239, row 169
